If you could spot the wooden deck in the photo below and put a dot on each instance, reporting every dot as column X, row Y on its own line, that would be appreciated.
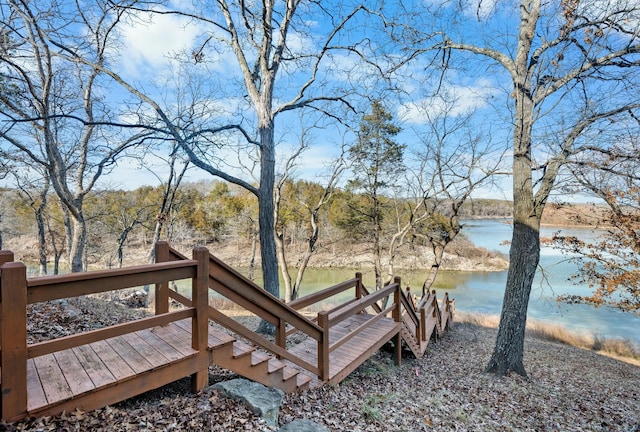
column 101, row 367
column 75, row 373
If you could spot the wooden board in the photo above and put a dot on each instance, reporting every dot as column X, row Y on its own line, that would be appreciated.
column 116, row 364
column 95, row 368
column 133, row 358
column 74, row 373
column 53, row 382
column 35, row 393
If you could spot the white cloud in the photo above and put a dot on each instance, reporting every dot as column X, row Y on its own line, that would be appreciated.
column 460, row 100
column 149, row 42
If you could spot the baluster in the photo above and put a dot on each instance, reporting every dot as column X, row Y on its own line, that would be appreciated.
column 200, row 321
column 162, row 289
column 323, row 346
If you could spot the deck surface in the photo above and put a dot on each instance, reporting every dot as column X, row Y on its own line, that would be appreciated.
column 349, row 355
column 66, row 375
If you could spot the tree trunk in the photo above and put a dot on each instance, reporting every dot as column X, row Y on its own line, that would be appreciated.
column 266, row 217
column 282, row 263
column 78, row 242
column 266, row 210
column 524, row 257
column 42, row 242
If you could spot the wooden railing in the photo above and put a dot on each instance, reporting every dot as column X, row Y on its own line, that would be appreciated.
column 251, row 297
column 17, row 291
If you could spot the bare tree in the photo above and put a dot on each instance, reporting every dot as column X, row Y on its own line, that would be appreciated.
column 55, row 120
column 272, row 74
column 455, row 161
column 313, row 203
column 572, row 69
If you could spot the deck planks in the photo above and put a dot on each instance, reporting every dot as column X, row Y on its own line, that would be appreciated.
column 94, row 366
column 75, row 372
column 116, row 364
column 52, row 379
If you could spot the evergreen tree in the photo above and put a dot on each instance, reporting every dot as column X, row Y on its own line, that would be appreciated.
column 377, row 158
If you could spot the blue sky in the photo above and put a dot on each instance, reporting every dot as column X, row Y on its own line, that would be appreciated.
column 147, row 56
column 151, row 45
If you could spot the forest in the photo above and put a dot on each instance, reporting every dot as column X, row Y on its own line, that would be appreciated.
column 207, row 212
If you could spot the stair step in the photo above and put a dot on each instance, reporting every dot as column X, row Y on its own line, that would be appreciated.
column 241, row 349
column 218, row 339
column 258, row 357
column 303, row 381
column 289, row 372
column 275, row 365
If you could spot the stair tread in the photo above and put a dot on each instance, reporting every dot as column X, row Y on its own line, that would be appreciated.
column 275, row 365
column 303, row 379
column 217, row 338
column 258, row 357
column 241, row 349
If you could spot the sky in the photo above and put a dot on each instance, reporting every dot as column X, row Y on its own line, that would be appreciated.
column 149, row 48
column 148, row 58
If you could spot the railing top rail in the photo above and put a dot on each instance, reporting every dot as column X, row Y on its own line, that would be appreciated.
column 75, row 284
column 323, row 294
column 37, row 281
column 357, row 306
column 409, row 310
column 276, row 307
column 426, row 299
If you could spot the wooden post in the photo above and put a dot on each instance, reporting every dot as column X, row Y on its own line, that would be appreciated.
column 359, row 285
column 5, row 257
column 434, row 302
column 281, row 333
column 423, row 324
column 13, row 327
column 200, row 321
column 397, row 314
column 162, row 289
column 323, row 346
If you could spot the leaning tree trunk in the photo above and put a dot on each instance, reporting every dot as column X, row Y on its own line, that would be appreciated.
column 524, row 257
column 78, row 243
column 266, row 218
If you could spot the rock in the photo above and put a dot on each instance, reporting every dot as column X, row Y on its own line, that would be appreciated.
column 261, row 400
column 303, row 425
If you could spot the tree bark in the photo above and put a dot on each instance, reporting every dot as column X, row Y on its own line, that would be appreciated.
column 78, row 242
column 524, row 257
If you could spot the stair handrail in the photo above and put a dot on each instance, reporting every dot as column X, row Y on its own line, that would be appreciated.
column 408, row 310
column 231, row 284
column 328, row 319
column 17, row 291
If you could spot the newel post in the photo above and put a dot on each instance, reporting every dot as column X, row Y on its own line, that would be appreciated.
column 162, row 289
column 13, row 327
column 5, row 257
column 359, row 285
column 397, row 316
column 281, row 333
column 200, row 321
column 323, row 346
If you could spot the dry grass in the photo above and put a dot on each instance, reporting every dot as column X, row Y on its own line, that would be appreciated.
column 624, row 349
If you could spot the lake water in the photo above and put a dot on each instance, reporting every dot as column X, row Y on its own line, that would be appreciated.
column 482, row 292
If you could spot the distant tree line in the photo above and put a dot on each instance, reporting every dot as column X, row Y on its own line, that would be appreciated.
column 202, row 213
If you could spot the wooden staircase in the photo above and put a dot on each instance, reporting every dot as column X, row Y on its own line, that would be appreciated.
column 78, row 371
